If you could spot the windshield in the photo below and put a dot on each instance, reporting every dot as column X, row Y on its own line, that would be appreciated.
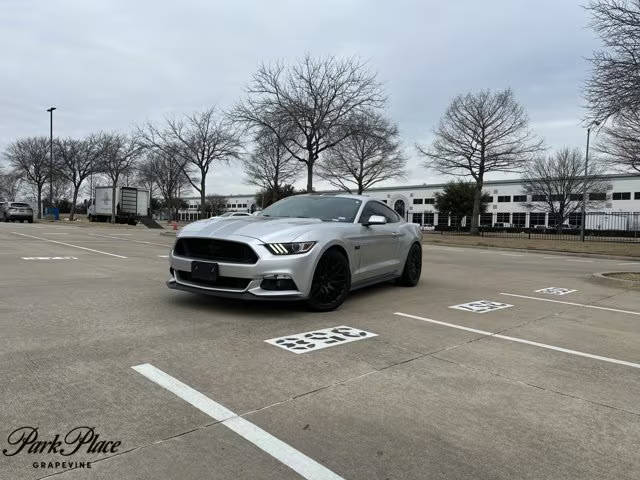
column 327, row 209
column 21, row 205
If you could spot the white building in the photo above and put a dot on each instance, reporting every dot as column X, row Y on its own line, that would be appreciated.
column 417, row 202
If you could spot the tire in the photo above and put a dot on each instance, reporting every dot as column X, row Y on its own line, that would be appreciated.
column 30, row 220
column 331, row 282
column 412, row 267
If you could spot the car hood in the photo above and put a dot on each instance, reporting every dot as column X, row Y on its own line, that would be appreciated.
column 264, row 229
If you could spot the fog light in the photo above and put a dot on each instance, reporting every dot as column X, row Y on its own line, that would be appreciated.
column 278, row 282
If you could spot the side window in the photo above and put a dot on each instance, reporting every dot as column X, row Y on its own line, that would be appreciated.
column 376, row 208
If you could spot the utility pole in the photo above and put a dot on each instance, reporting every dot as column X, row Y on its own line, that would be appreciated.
column 50, row 110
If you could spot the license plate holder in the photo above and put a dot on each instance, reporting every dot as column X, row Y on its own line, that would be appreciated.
column 204, row 271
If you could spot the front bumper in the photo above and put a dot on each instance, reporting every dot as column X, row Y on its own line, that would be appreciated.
column 19, row 216
column 298, row 268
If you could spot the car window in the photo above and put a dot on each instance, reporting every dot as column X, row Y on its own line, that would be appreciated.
column 21, row 205
column 325, row 208
column 377, row 208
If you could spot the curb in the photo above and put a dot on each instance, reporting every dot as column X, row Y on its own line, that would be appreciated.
column 168, row 234
column 615, row 282
column 541, row 251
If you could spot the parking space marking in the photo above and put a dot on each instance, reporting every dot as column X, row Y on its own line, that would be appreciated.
column 163, row 256
column 319, row 339
column 49, row 258
column 637, row 264
column 571, row 303
column 69, row 245
column 129, row 240
column 522, row 340
column 579, row 261
column 481, row 306
column 556, row 291
column 283, row 452
column 513, row 254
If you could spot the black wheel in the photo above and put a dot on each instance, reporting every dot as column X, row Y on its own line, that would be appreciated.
column 331, row 282
column 412, row 267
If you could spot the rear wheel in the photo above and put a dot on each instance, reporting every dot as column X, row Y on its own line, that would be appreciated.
column 331, row 282
column 412, row 267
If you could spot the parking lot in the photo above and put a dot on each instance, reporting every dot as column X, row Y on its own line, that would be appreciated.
column 516, row 382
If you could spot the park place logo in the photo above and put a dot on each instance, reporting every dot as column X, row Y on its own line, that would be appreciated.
column 63, row 451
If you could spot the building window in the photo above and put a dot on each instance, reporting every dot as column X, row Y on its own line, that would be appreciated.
column 417, row 218
column 519, row 198
column 575, row 219
column 637, row 196
column 557, row 198
column 429, row 201
column 621, row 195
column 443, row 219
column 503, row 217
column 428, row 218
column 538, row 198
column 504, row 198
column 486, row 219
column 489, row 199
column 575, row 197
column 597, row 196
column 520, row 219
column 537, row 219
column 417, row 201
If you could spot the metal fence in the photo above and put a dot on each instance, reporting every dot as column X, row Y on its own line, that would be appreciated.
column 610, row 227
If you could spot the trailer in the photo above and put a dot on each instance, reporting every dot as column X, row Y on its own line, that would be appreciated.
column 131, row 203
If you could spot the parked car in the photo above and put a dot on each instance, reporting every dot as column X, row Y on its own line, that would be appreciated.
column 428, row 227
column 306, row 247
column 13, row 211
column 236, row 214
column 501, row 225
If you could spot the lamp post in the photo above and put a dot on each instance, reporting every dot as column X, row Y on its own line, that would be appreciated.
column 584, row 183
column 50, row 110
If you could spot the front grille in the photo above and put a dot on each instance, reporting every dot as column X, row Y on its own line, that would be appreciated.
column 231, row 283
column 217, row 250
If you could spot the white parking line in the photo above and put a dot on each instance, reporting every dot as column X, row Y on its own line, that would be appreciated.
column 572, row 303
column 163, row 256
column 129, row 240
column 637, row 264
column 522, row 340
column 69, row 245
column 579, row 261
column 512, row 254
column 292, row 458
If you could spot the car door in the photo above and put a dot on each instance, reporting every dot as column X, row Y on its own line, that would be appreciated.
column 378, row 244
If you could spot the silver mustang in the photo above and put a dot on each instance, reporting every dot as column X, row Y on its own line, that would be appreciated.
column 309, row 247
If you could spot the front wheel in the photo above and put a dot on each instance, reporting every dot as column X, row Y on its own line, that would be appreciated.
column 331, row 282
column 412, row 267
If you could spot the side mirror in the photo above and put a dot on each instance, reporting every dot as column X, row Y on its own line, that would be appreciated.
column 375, row 220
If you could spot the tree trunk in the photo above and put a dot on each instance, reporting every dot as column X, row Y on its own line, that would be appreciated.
column 309, row 176
column 203, row 193
column 360, row 188
column 39, row 202
column 73, row 205
column 113, row 203
column 475, row 217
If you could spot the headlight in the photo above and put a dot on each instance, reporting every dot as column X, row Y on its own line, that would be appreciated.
column 294, row 248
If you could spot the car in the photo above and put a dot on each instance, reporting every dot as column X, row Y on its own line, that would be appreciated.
column 313, row 248
column 236, row 214
column 428, row 227
column 12, row 211
column 501, row 225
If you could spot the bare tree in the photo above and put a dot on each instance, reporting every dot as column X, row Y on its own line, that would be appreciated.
column 614, row 85
column 118, row 156
column 167, row 172
column 481, row 133
column 30, row 157
column 372, row 154
column 75, row 162
column 620, row 142
column 556, row 183
column 314, row 99
column 201, row 140
column 270, row 166
column 10, row 184
column 215, row 205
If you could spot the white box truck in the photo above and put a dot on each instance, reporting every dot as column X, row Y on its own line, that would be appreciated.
column 131, row 204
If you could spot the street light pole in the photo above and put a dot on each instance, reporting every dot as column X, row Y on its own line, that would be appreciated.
column 584, row 184
column 50, row 110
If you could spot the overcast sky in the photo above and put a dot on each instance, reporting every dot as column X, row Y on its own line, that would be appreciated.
column 109, row 65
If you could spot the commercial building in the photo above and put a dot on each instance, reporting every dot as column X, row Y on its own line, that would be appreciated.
column 416, row 203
